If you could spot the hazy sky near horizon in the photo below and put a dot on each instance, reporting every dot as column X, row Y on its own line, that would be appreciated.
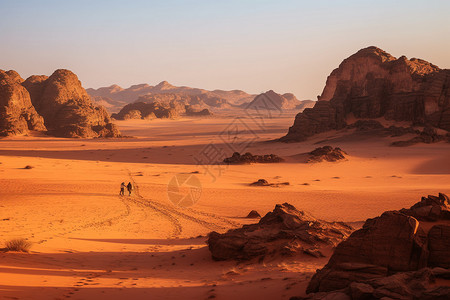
column 252, row 45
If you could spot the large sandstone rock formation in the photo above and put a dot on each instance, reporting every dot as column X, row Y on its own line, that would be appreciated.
column 67, row 108
column 17, row 114
column 284, row 231
column 374, row 84
column 394, row 243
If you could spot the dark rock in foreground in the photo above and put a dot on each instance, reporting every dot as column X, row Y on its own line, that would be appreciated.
column 431, row 208
column 263, row 182
column 326, row 153
column 249, row 158
column 260, row 182
column 419, row 284
column 284, row 231
column 391, row 256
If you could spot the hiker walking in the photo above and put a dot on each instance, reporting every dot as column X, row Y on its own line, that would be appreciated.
column 122, row 189
column 129, row 188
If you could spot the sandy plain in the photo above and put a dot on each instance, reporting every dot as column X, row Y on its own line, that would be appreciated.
column 90, row 243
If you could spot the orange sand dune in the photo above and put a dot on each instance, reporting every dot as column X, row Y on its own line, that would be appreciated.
column 89, row 243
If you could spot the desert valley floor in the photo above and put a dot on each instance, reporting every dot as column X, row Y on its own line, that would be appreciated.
column 89, row 243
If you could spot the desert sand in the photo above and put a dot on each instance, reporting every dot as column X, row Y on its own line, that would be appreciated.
column 89, row 243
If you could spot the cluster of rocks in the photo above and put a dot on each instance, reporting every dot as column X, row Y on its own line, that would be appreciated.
column 160, row 110
column 428, row 136
column 284, row 231
column 326, row 153
column 373, row 84
column 396, row 255
column 249, row 158
column 58, row 105
column 263, row 182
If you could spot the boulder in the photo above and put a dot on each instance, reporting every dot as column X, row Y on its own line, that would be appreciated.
column 439, row 246
column 392, row 241
column 284, row 231
column 326, row 153
column 392, row 256
column 431, row 208
column 260, row 182
column 17, row 114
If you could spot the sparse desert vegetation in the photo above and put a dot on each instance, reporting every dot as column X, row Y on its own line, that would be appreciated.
column 17, row 245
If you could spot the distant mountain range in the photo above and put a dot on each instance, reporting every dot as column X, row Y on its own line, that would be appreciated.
column 114, row 97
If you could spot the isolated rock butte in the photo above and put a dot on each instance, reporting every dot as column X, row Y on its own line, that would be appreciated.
column 272, row 101
column 372, row 84
column 67, row 108
column 393, row 243
column 284, row 231
column 17, row 114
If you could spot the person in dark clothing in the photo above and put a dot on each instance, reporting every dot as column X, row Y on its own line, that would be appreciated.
column 122, row 189
column 129, row 188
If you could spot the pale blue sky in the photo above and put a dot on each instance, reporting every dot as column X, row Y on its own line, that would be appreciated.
column 253, row 45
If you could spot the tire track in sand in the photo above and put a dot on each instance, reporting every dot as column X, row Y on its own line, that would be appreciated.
column 173, row 211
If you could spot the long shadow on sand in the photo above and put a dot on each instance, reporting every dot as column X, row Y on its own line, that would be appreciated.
column 170, row 242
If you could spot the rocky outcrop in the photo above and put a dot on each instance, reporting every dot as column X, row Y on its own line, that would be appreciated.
column 197, row 113
column 148, row 111
column 419, row 284
column 388, row 253
column 253, row 215
column 66, row 108
column 17, row 114
column 274, row 101
column 431, row 208
column 326, row 153
column 249, row 158
column 427, row 136
column 374, row 84
column 284, row 231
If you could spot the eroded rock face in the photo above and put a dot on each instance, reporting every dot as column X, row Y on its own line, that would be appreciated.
column 284, row 231
column 394, row 243
column 17, row 114
column 66, row 107
column 373, row 84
